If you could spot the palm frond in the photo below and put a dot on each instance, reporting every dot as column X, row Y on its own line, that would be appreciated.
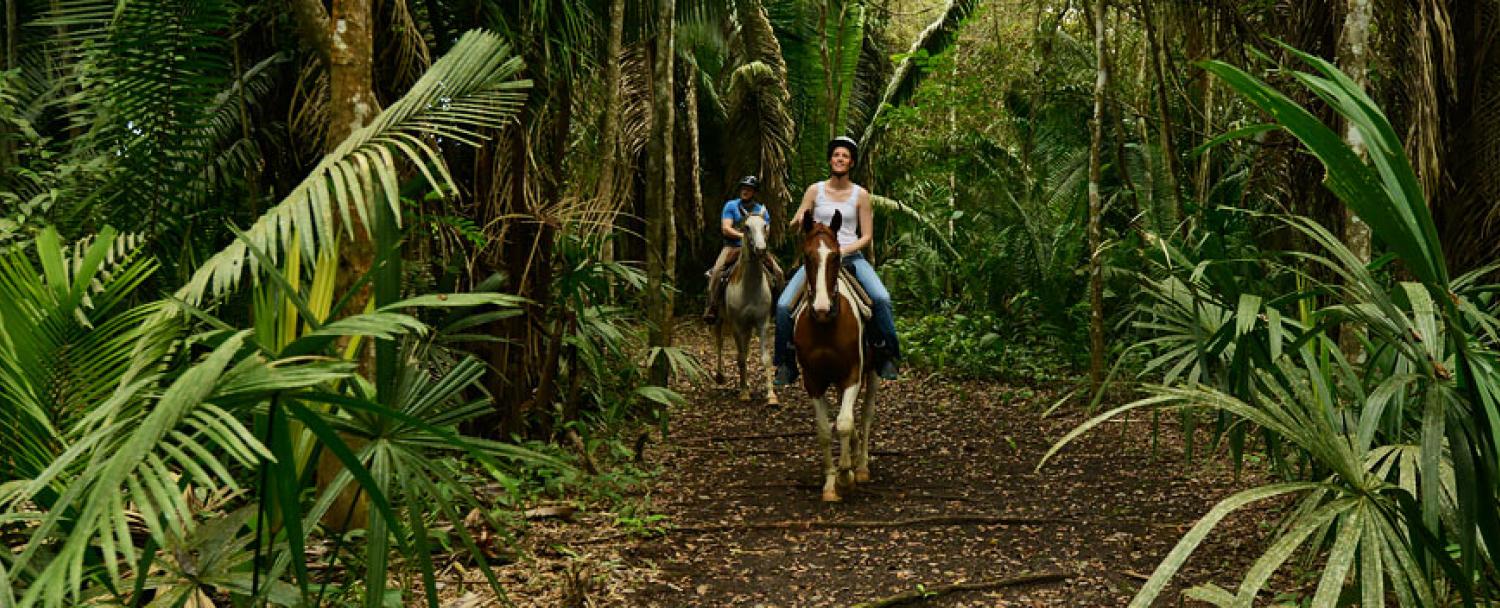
column 473, row 86
column 66, row 337
column 903, row 83
column 402, row 44
column 873, row 71
column 846, row 48
column 128, row 462
column 758, row 112
column 235, row 155
column 755, row 39
column 890, row 204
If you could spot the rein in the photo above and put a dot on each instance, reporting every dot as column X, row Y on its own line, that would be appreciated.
column 814, row 284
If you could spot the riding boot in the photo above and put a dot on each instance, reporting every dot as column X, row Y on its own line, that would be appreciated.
column 785, row 358
column 715, row 294
column 885, row 366
column 786, row 372
column 886, row 357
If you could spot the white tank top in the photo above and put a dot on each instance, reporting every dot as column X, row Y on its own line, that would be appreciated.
column 823, row 208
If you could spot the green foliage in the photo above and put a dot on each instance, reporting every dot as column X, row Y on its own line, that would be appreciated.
column 66, row 333
column 991, row 173
column 1396, row 488
column 806, row 31
column 130, row 417
column 113, row 461
column 27, row 167
column 472, row 86
column 985, row 347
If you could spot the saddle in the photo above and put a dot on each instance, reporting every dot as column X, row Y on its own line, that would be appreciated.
column 730, row 261
column 733, row 260
column 848, row 286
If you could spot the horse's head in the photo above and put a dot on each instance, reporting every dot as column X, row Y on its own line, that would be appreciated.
column 821, row 257
column 755, row 229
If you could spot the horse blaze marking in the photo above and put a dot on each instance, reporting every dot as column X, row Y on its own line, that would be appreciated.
column 821, row 300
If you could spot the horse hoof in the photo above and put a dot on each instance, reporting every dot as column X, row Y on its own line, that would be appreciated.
column 862, row 475
column 831, row 496
column 772, row 400
column 718, row 378
column 846, row 478
column 744, row 395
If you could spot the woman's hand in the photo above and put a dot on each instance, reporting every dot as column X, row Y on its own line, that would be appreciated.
column 796, row 220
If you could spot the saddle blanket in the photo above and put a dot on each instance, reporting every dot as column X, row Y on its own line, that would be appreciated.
column 848, row 286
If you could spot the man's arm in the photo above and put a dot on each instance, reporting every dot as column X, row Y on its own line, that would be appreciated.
column 866, row 212
column 726, row 226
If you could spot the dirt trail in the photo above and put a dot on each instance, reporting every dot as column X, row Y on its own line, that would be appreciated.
column 943, row 449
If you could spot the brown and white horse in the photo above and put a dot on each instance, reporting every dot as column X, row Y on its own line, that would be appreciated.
column 747, row 308
column 828, row 335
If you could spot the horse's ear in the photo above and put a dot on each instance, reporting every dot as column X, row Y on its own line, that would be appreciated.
column 807, row 222
column 838, row 218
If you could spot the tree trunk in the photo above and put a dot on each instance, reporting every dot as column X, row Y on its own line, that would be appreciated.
column 1205, row 160
column 1117, row 118
column 610, row 177
column 608, row 189
column 1354, row 60
column 695, row 165
column 1146, row 202
column 345, row 41
column 660, row 193
column 1157, row 44
column 829, row 98
column 12, row 35
column 1096, row 207
column 12, row 32
column 351, row 105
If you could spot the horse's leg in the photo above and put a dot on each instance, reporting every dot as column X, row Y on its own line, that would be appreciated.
column 719, row 350
column 765, row 362
column 825, row 445
column 866, row 416
column 845, row 427
column 742, row 352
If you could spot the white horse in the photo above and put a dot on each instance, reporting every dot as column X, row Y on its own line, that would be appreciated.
column 747, row 308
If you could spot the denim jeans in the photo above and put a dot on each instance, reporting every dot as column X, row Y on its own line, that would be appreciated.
column 883, row 329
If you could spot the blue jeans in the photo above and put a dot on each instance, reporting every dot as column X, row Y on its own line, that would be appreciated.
column 883, row 329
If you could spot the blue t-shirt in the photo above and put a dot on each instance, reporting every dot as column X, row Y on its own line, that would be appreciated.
column 736, row 214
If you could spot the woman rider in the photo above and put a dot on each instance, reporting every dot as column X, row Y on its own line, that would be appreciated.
column 839, row 193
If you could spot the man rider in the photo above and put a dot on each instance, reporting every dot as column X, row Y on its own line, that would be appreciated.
column 734, row 214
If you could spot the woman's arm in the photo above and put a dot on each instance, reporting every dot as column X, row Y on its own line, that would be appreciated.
column 866, row 213
column 808, row 198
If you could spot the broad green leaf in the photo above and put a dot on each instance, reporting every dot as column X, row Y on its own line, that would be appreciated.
column 1190, row 541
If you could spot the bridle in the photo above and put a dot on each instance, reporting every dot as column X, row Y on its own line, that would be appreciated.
column 745, row 218
column 812, row 262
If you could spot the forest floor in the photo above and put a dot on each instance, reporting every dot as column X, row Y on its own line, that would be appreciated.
column 738, row 491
